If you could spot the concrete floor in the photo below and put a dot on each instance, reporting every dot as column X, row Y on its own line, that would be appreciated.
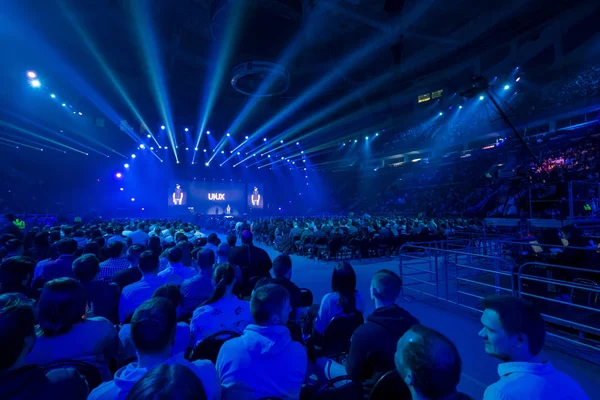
column 458, row 324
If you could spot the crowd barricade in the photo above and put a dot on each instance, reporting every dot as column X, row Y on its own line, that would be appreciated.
column 567, row 296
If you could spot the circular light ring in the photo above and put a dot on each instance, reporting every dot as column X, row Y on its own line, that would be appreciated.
column 278, row 73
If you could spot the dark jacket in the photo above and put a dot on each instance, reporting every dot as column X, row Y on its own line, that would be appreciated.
column 253, row 260
column 32, row 382
column 374, row 343
column 292, row 289
column 127, row 276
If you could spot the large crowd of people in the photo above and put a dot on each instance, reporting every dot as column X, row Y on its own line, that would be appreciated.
column 146, row 309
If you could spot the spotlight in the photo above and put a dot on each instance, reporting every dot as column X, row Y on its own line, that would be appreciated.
column 142, row 146
column 281, row 141
column 366, row 138
column 187, row 148
column 64, row 105
column 121, row 189
column 162, row 127
column 207, row 164
column 228, row 134
column 151, row 148
column 222, row 151
column 205, row 150
column 355, row 141
column 506, row 87
column 166, row 148
column 518, row 79
column 35, row 83
column 133, row 199
column 148, row 135
column 343, row 144
column 238, row 153
column 119, row 175
column 246, row 137
column 195, row 149
column 186, row 129
column 264, row 139
column 460, row 107
column 80, row 113
column 126, row 165
column 269, row 155
column 31, row 74
column 441, row 113
column 208, row 132
column 52, row 95
column 480, row 97
column 133, row 156
column 377, row 134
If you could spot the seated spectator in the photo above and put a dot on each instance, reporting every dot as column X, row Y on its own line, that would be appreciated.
column 514, row 332
column 223, row 256
column 232, row 240
column 197, row 289
column 429, row 364
column 343, row 299
column 15, row 276
column 282, row 269
column 223, row 311
column 373, row 343
column 212, row 243
column 117, row 237
column 182, row 329
column 168, row 382
column 254, row 259
column 135, row 294
column 61, row 313
column 29, row 382
column 62, row 267
column 92, row 248
column 115, row 263
column 133, row 273
column 102, row 297
column 14, row 248
column 155, row 244
column 265, row 345
column 41, row 249
column 139, row 236
column 153, row 327
column 176, row 272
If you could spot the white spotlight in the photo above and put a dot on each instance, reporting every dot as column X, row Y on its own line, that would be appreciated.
column 52, row 95
column 35, row 83
column 246, row 137
column 133, row 156
column 480, row 97
column 162, row 127
column 126, row 165
column 187, row 148
column 142, row 146
column 208, row 132
column 207, row 164
column 31, row 75
column 149, row 135
column 186, row 129
column 228, row 134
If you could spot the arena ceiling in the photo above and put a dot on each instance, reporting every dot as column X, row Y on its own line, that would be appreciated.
column 171, row 62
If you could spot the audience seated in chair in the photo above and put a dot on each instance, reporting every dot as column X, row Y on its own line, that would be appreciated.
column 282, row 269
column 102, row 296
column 176, row 272
column 343, row 299
column 253, row 258
column 198, row 288
column 15, row 276
column 62, row 267
column 182, row 329
column 135, row 294
column 66, row 333
column 223, row 311
column 116, row 261
column 264, row 361
column 514, row 332
column 133, row 273
column 153, row 329
column 429, row 364
column 19, row 381
column 168, row 382
column 373, row 343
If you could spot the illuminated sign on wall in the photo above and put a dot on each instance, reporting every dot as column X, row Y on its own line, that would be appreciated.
column 216, row 196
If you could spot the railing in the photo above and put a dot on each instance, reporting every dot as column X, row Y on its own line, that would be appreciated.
column 566, row 296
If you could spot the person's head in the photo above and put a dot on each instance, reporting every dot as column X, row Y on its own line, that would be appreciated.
column 153, row 326
column 14, row 247
column 247, row 237
column 86, row 267
column 428, row 362
column 154, row 244
column 231, row 239
column 223, row 252
column 270, row 305
column 62, row 304
column 170, row 292
column 133, row 254
column 115, row 249
column 212, row 238
column 206, row 258
column 513, row 329
column 142, row 227
column 16, row 270
column 148, row 263
column 385, row 287
column 282, row 266
column 177, row 186
column 174, row 255
column 91, row 248
column 168, row 382
column 41, row 239
column 17, row 330
column 223, row 282
column 343, row 282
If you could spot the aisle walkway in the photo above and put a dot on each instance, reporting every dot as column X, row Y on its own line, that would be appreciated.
column 460, row 325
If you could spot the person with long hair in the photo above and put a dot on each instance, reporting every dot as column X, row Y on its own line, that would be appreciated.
column 223, row 311
column 344, row 299
column 65, row 332
column 168, row 382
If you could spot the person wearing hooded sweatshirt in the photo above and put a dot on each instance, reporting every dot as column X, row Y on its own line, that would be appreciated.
column 28, row 382
column 264, row 361
column 153, row 335
column 372, row 347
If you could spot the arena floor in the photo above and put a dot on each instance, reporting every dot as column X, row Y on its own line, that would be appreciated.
column 460, row 325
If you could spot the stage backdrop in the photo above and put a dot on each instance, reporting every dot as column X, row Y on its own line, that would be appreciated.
column 207, row 197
